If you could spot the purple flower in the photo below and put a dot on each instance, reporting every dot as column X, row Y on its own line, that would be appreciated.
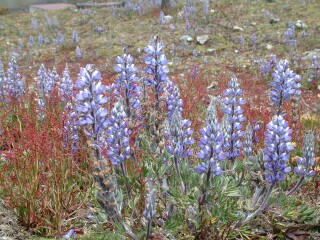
column 157, row 69
column 127, row 84
column 178, row 137
column 75, row 37
column 2, row 82
column 211, row 144
column 266, row 67
column 206, row 8
column 285, row 84
column 78, row 52
column 306, row 162
column 277, row 149
column 70, row 234
column 90, row 101
column 233, row 118
column 14, row 87
column 31, row 41
column 48, row 20
column 34, row 23
column 247, row 148
column 65, row 85
column 253, row 40
column 118, row 135
column 173, row 100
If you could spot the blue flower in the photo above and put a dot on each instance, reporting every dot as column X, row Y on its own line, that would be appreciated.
column 277, row 149
column 173, row 100
column 156, row 70
column 211, row 144
column 233, row 119
column 178, row 136
column 118, row 135
column 14, row 87
column 127, row 84
column 306, row 162
column 65, row 85
column 90, row 101
column 284, row 85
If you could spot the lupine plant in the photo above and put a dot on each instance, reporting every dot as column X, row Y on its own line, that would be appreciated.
column 156, row 69
column 173, row 100
column 233, row 111
column 78, row 52
column 210, row 150
column 14, row 86
column 179, row 141
column 127, row 84
column 2, row 81
column 285, row 84
column 305, row 163
column 65, row 85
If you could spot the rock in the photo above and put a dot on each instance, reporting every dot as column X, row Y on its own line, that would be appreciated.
column 309, row 54
column 212, row 86
column 274, row 20
column 202, row 39
column 301, row 25
column 269, row 46
column 238, row 29
column 253, row 24
column 168, row 19
column 186, row 38
column 211, row 50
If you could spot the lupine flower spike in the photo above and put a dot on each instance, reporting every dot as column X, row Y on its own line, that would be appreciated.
column 127, row 84
column 233, row 111
column 284, row 85
column 276, row 155
column 210, row 144
column 89, row 106
column 156, row 70
column 305, row 163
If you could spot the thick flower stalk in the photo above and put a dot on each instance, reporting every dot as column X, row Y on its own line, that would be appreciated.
column 210, row 150
column 65, row 85
column 127, row 84
column 118, row 136
column 277, row 149
column 53, row 79
column 43, row 81
column 31, row 41
column 266, row 67
column 89, row 105
column 285, row 84
column 173, row 100
column 248, row 135
column 276, row 155
column 70, row 128
column 233, row 111
column 305, row 163
column 178, row 137
column 179, row 141
column 210, row 145
column 2, row 81
column 75, row 37
column 150, row 210
column 14, row 86
column 78, row 52
column 156, row 70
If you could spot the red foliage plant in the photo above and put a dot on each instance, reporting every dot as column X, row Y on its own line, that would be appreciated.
column 41, row 179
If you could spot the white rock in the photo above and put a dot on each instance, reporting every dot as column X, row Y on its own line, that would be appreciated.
column 202, row 39
column 238, row 29
column 269, row 46
column 186, row 38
